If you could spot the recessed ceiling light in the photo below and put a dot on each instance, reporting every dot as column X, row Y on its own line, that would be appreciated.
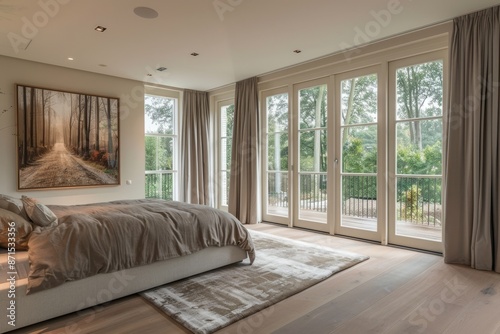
column 146, row 12
column 194, row 54
column 161, row 69
column 69, row 58
column 100, row 28
column 297, row 51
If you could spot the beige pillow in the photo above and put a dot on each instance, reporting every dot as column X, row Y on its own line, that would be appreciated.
column 39, row 213
column 14, row 226
column 13, row 204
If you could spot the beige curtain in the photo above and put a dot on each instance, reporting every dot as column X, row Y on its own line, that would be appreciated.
column 194, row 154
column 471, row 234
column 244, row 181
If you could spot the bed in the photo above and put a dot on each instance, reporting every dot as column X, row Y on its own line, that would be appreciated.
column 76, row 257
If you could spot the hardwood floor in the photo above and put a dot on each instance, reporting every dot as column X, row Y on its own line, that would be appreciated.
column 395, row 291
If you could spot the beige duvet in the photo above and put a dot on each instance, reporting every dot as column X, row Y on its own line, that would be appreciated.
column 106, row 237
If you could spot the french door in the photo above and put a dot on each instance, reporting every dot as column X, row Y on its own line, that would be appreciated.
column 417, row 87
column 312, row 189
column 277, row 197
column 296, row 158
column 360, row 154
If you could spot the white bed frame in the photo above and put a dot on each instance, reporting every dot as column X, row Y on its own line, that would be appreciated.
column 78, row 295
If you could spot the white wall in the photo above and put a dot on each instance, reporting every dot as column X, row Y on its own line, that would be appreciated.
column 131, row 93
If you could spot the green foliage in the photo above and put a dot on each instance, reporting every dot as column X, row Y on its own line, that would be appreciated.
column 160, row 114
column 312, row 122
column 277, row 129
column 411, row 208
column 424, row 162
column 159, row 153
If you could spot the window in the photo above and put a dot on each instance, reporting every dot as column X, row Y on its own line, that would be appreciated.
column 418, row 128
column 161, row 146
column 276, row 166
column 226, row 123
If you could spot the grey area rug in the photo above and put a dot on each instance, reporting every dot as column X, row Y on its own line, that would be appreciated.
column 216, row 299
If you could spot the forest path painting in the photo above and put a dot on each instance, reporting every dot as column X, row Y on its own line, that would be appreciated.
column 59, row 168
column 66, row 139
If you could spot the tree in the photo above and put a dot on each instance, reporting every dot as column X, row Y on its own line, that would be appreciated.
column 419, row 94
column 160, row 112
column 110, row 134
column 25, row 128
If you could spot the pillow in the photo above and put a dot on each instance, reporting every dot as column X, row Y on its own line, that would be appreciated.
column 13, row 204
column 18, row 228
column 39, row 214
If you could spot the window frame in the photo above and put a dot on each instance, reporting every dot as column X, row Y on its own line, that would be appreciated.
column 174, row 95
column 393, row 237
column 218, row 161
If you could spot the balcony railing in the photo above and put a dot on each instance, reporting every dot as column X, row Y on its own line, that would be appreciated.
column 160, row 185
column 359, row 196
column 277, row 189
column 418, row 198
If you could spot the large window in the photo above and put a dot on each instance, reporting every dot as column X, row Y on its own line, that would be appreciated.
column 161, row 146
column 418, row 132
column 226, row 123
column 276, row 164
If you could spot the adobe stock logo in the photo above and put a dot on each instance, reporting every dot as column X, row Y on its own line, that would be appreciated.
column 30, row 28
column 430, row 311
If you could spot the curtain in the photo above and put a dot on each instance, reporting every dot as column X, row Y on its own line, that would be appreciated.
column 244, row 178
column 194, row 152
column 471, row 232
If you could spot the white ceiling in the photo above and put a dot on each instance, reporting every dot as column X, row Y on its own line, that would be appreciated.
column 239, row 39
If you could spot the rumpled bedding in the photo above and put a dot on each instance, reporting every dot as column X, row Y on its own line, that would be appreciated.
column 107, row 237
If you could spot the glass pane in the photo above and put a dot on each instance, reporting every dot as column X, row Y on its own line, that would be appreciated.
column 313, row 197
column 313, row 151
column 160, row 185
column 359, row 202
column 159, row 153
column 277, row 151
column 359, row 100
column 313, row 107
column 359, row 149
column 225, row 153
column 419, row 147
column 277, row 113
column 225, row 178
column 277, row 194
column 418, row 207
column 159, row 115
column 227, row 120
column 151, row 145
column 165, row 153
column 152, row 189
column 419, row 90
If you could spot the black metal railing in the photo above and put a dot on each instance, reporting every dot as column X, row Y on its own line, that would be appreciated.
column 160, row 185
column 419, row 200
column 359, row 196
column 277, row 189
column 313, row 194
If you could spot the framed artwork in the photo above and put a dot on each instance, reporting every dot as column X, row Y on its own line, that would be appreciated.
column 66, row 140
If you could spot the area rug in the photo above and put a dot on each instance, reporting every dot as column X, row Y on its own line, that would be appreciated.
column 283, row 267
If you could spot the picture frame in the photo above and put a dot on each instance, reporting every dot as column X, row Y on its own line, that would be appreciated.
column 66, row 139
